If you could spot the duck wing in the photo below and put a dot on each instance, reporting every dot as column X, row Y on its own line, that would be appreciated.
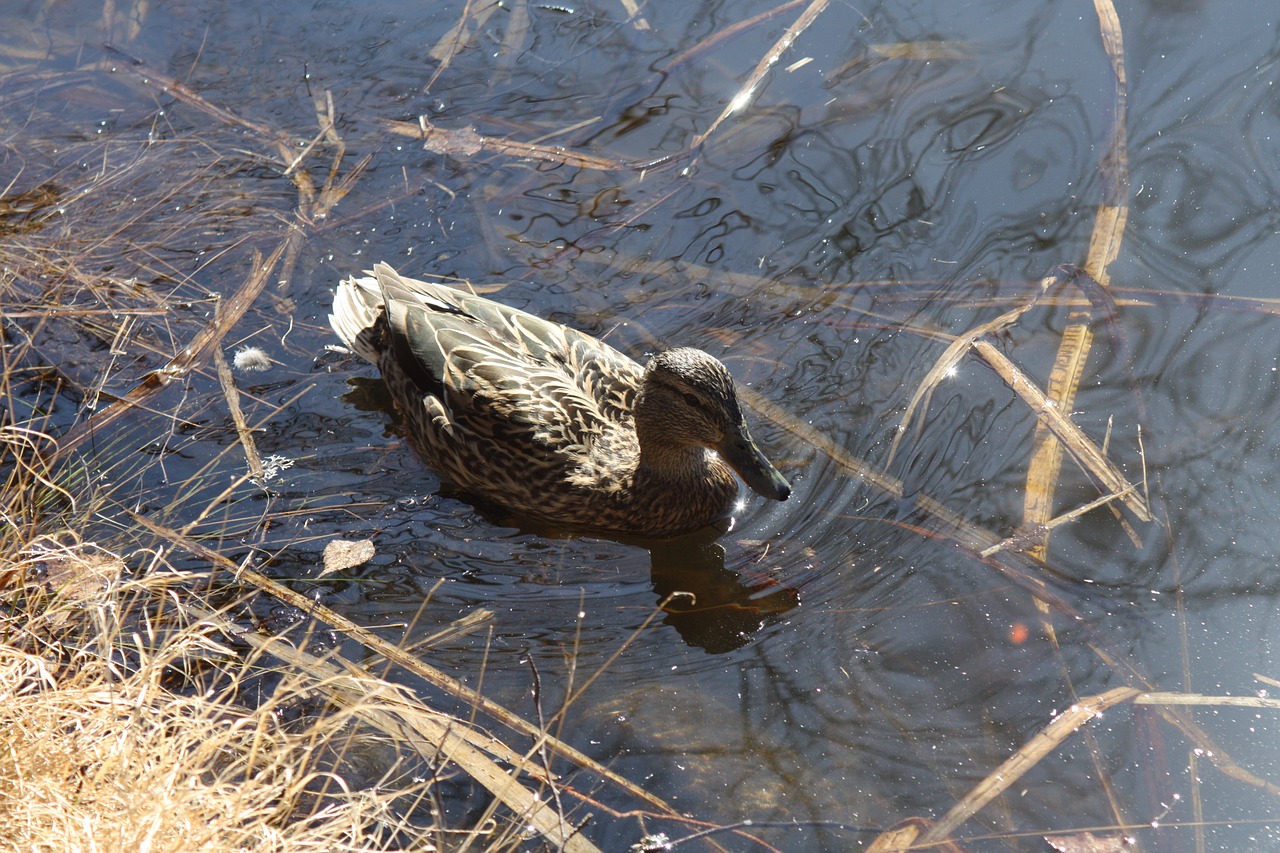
column 499, row 370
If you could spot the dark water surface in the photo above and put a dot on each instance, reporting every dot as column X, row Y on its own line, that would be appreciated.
column 906, row 171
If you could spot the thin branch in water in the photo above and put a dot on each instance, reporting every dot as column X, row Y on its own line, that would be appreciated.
column 748, row 90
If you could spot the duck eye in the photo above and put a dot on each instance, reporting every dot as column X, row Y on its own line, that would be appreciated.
column 693, row 400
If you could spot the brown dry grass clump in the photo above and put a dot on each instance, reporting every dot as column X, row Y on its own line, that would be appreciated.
column 104, row 746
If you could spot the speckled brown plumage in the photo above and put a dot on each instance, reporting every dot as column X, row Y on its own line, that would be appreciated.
column 546, row 420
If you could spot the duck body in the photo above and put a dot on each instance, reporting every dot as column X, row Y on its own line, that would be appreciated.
column 548, row 421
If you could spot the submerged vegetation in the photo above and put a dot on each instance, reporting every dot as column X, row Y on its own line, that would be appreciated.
column 161, row 689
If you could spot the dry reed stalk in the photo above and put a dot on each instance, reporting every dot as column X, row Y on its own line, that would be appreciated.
column 182, row 362
column 465, row 142
column 1027, row 573
column 1163, row 698
column 452, row 42
column 747, row 92
column 430, row 732
column 633, row 14
column 1104, row 247
column 1049, row 414
column 1204, row 745
column 723, row 34
column 433, row 735
column 1044, row 743
column 243, row 432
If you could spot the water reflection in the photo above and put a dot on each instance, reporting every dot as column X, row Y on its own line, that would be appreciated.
column 714, row 607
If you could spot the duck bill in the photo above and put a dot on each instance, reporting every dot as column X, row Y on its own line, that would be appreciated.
column 749, row 462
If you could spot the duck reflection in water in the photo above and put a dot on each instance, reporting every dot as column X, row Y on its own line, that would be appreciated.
column 723, row 607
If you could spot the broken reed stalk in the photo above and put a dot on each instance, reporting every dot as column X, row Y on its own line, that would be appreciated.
column 726, row 33
column 1048, row 414
column 748, row 90
column 465, row 142
column 1027, row 573
column 1104, row 247
column 448, row 45
column 182, row 361
column 313, row 205
column 1045, row 742
column 232, row 395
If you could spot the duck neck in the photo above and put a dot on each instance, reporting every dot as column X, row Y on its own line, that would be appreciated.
column 673, row 463
column 689, row 468
column 681, row 486
column 664, row 454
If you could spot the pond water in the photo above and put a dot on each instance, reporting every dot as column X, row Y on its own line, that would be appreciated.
column 902, row 174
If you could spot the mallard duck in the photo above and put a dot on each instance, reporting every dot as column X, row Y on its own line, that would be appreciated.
column 548, row 421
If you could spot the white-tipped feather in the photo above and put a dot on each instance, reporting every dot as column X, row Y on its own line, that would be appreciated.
column 357, row 305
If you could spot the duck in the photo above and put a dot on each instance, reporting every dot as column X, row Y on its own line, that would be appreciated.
column 547, row 421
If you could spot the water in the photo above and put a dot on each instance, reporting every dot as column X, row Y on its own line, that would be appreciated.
column 846, row 661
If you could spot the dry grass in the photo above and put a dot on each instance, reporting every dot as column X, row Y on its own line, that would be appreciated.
column 128, row 720
column 105, row 744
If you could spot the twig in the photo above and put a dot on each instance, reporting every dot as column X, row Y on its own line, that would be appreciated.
column 232, row 395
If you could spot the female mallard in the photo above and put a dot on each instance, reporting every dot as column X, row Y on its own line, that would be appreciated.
column 546, row 420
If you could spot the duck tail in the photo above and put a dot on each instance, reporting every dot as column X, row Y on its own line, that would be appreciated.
column 357, row 306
